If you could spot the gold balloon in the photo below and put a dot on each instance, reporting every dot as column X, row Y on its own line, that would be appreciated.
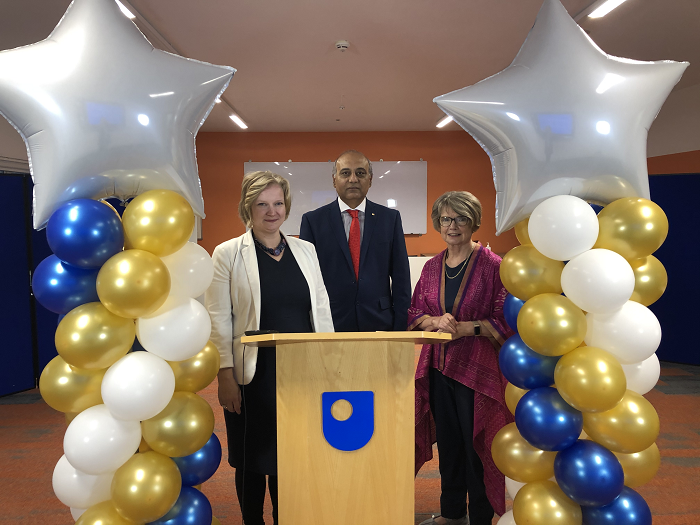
column 92, row 337
column 69, row 389
column 525, row 272
column 215, row 521
column 146, row 487
column 70, row 416
column 103, row 514
column 650, row 280
column 590, row 379
column 640, row 467
column 521, row 232
column 158, row 221
column 631, row 426
column 133, row 283
column 551, row 324
column 519, row 460
column 513, row 395
column 544, row 503
column 182, row 428
column 143, row 446
column 632, row 227
column 196, row 373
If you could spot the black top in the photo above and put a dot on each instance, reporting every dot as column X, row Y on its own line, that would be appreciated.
column 453, row 280
column 285, row 306
column 285, row 303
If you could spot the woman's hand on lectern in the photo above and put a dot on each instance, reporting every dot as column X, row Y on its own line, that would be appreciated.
column 229, row 391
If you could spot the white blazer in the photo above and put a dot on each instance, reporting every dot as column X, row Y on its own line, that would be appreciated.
column 233, row 299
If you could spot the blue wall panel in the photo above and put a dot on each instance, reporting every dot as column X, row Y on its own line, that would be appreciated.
column 16, row 370
column 678, row 309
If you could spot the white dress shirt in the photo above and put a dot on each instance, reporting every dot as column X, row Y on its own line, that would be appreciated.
column 347, row 219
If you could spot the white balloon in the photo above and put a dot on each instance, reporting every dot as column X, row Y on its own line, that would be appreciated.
column 513, row 487
column 507, row 519
column 177, row 331
column 563, row 227
column 76, row 513
column 98, row 443
column 598, row 281
column 138, row 386
column 632, row 333
column 76, row 489
column 643, row 376
column 191, row 270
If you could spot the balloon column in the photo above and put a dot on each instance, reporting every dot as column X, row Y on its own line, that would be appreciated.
column 126, row 130
column 118, row 398
column 600, row 363
column 564, row 124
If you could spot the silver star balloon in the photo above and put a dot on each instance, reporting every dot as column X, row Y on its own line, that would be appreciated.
column 564, row 118
column 105, row 114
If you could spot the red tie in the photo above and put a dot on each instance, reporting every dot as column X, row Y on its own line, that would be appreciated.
column 354, row 241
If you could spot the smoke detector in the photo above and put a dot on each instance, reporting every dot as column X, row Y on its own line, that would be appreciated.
column 342, row 45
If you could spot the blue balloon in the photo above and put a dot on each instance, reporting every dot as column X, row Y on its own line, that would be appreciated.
column 589, row 473
column 511, row 309
column 546, row 421
column 60, row 287
column 597, row 208
column 628, row 509
column 200, row 466
column 85, row 233
column 191, row 508
column 524, row 367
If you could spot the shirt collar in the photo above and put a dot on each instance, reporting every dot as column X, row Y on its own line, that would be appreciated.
column 345, row 207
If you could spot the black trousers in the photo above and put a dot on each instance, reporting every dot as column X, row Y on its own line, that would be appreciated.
column 461, row 470
column 250, row 488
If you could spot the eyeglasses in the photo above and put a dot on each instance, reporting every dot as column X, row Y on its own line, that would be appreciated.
column 460, row 221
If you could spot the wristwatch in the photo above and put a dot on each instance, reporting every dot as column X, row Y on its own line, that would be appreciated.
column 477, row 328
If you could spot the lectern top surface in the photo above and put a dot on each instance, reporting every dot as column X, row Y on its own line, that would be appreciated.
column 278, row 339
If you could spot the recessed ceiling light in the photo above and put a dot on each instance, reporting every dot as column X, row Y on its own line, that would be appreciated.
column 125, row 10
column 239, row 121
column 444, row 121
column 605, row 8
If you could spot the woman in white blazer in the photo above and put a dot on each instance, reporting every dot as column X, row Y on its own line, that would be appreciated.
column 262, row 281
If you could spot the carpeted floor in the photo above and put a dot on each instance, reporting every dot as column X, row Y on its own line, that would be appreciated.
column 31, row 437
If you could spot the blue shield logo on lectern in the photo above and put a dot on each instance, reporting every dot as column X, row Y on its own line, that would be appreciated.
column 356, row 431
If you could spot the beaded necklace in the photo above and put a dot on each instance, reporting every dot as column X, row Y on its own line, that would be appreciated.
column 272, row 251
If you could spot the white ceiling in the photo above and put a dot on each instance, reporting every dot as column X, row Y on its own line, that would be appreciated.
column 402, row 53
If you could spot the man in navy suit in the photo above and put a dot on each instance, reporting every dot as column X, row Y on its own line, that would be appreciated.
column 362, row 252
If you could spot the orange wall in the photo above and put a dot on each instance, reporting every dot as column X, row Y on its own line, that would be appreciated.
column 455, row 162
column 687, row 162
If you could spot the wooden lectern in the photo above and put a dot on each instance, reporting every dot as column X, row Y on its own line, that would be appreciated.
column 318, row 483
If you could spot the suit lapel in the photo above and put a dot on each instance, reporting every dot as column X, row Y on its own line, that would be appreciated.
column 370, row 223
column 339, row 232
column 251, row 265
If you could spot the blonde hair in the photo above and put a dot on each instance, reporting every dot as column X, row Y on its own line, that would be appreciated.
column 254, row 183
column 462, row 203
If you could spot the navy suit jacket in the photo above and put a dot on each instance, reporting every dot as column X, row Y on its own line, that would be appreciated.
column 374, row 303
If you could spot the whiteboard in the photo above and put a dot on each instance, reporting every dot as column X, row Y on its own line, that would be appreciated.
column 402, row 185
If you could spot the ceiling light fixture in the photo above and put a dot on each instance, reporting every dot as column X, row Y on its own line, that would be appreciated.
column 444, row 121
column 605, row 8
column 125, row 10
column 238, row 120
